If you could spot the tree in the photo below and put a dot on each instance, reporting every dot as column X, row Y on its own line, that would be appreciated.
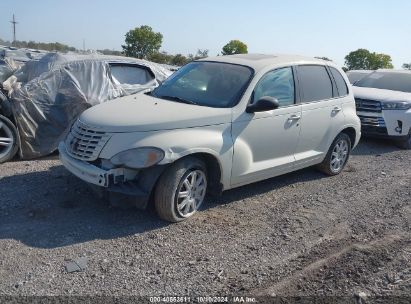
column 141, row 42
column 160, row 57
column 110, row 52
column 406, row 66
column 358, row 60
column 200, row 54
column 235, row 47
column 363, row 59
column 179, row 60
column 380, row 61
column 47, row 46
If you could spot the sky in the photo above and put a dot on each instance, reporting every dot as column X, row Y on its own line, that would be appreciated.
column 312, row 28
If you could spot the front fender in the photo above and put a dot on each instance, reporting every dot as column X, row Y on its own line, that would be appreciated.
column 215, row 140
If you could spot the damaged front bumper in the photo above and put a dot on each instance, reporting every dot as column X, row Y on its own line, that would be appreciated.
column 88, row 172
column 128, row 182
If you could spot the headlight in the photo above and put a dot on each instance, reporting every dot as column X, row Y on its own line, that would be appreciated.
column 138, row 158
column 400, row 105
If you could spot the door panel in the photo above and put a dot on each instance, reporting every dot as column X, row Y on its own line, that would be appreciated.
column 319, row 124
column 321, row 114
column 264, row 144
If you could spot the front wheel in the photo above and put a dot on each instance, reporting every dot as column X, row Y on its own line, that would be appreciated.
column 8, row 139
column 337, row 156
column 181, row 190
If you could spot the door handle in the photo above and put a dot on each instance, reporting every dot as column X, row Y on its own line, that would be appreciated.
column 336, row 109
column 294, row 117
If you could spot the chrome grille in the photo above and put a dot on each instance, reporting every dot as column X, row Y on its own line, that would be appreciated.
column 84, row 142
column 372, row 121
column 366, row 105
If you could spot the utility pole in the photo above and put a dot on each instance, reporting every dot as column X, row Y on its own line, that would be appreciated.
column 84, row 45
column 14, row 22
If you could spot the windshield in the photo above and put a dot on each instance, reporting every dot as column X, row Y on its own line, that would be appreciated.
column 203, row 83
column 387, row 81
column 355, row 76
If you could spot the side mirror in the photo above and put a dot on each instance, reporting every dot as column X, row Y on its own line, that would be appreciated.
column 265, row 103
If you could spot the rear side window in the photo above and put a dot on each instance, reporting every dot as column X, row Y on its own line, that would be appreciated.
column 315, row 83
column 130, row 74
column 278, row 84
column 340, row 82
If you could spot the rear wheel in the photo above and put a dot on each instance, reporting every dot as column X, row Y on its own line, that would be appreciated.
column 337, row 156
column 8, row 139
column 181, row 190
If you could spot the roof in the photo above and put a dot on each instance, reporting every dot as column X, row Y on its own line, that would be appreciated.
column 361, row 71
column 259, row 61
column 394, row 71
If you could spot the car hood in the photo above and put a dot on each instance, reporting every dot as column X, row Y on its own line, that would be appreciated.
column 381, row 95
column 142, row 113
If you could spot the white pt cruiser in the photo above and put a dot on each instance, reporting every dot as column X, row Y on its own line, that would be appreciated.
column 216, row 124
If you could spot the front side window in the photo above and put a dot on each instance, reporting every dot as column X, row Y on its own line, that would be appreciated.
column 278, row 84
column 315, row 83
column 212, row 84
column 387, row 81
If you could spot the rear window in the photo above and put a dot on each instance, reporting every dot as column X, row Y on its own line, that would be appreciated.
column 340, row 82
column 315, row 83
column 387, row 81
column 130, row 74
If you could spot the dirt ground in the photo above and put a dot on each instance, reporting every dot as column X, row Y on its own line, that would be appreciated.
column 301, row 234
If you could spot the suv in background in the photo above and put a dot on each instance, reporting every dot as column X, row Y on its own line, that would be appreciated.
column 216, row 124
column 383, row 101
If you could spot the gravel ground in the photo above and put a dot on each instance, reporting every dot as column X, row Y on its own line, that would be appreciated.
column 294, row 235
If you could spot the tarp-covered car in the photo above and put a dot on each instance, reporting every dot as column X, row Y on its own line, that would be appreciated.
column 47, row 95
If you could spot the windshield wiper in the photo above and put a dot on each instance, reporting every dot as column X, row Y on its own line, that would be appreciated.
column 179, row 99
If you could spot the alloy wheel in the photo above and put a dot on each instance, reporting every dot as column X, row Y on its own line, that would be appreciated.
column 339, row 156
column 7, row 139
column 191, row 193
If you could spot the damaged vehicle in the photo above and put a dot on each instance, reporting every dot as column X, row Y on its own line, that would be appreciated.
column 215, row 124
column 383, row 101
column 47, row 95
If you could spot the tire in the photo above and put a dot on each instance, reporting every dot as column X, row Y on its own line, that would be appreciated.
column 172, row 190
column 337, row 156
column 8, row 139
column 405, row 144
